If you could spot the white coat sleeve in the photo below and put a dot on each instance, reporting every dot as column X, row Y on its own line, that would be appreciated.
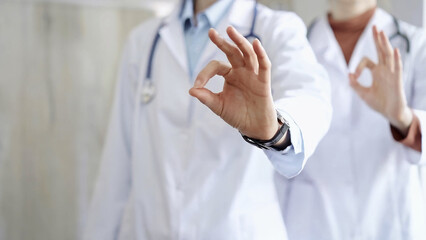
column 301, row 91
column 113, row 183
column 418, row 101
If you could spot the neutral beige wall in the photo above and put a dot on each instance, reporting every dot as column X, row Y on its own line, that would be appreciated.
column 412, row 11
column 57, row 71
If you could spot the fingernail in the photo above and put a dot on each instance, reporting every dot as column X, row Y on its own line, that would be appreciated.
column 232, row 29
column 190, row 91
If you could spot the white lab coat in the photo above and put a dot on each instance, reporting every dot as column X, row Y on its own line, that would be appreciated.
column 172, row 169
column 360, row 183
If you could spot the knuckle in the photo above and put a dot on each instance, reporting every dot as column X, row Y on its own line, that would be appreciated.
column 232, row 52
column 251, row 53
column 250, row 67
column 266, row 64
column 215, row 63
column 239, row 41
column 219, row 42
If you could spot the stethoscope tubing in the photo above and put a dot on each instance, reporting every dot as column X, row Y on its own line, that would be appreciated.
column 398, row 33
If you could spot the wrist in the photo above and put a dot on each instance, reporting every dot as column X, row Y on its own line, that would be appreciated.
column 265, row 130
column 403, row 121
column 279, row 141
column 284, row 142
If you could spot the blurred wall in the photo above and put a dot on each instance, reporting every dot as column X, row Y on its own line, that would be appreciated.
column 412, row 11
column 58, row 62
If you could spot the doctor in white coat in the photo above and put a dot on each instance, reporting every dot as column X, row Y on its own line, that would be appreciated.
column 171, row 168
column 361, row 183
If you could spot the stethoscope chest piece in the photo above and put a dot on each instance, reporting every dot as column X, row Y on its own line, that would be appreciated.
column 148, row 91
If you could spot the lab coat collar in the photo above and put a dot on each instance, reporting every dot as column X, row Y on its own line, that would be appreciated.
column 214, row 13
column 187, row 11
column 325, row 42
column 240, row 15
column 172, row 35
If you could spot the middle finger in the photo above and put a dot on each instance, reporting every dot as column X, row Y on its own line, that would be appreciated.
column 232, row 52
column 245, row 47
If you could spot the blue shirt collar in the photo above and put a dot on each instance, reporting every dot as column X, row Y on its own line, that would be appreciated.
column 213, row 14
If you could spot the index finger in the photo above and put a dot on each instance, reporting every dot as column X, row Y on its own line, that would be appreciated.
column 377, row 43
column 387, row 50
column 365, row 63
column 213, row 68
column 232, row 53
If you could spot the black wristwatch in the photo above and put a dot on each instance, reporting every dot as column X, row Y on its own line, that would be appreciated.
column 268, row 144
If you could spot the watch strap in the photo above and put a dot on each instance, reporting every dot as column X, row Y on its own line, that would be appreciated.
column 268, row 144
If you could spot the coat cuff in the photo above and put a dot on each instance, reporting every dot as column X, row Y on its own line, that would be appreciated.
column 414, row 137
column 290, row 161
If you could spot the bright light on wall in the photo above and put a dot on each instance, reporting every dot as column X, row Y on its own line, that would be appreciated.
column 159, row 7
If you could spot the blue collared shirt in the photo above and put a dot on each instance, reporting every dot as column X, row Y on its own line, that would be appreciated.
column 196, row 36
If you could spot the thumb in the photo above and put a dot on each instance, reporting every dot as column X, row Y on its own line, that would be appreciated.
column 208, row 98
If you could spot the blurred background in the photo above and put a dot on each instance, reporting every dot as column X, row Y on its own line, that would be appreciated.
column 58, row 62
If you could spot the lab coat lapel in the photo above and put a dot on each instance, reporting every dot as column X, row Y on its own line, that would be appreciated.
column 172, row 35
column 239, row 17
column 327, row 45
column 366, row 46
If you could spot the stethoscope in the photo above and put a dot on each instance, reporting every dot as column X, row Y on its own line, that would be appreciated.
column 148, row 87
column 398, row 33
